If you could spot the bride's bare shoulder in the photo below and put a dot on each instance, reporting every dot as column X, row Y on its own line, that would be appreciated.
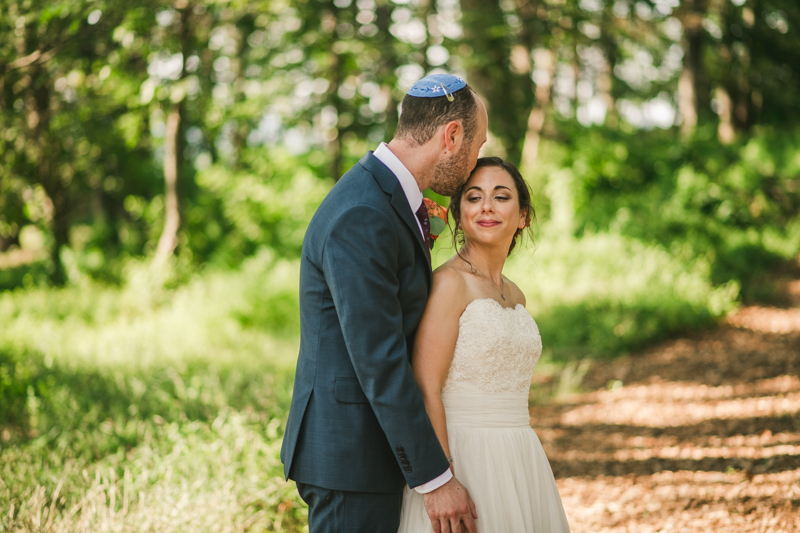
column 449, row 282
column 519, row 297
column 448, row 276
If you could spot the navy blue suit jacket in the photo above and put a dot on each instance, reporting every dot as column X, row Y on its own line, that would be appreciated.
column 357, row 420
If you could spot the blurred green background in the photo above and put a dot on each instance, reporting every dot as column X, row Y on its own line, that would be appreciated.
column 160, row 160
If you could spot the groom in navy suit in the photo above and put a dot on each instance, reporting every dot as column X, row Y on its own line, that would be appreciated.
column 357, row 429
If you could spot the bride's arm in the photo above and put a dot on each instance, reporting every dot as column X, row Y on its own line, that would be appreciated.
column 435, row 343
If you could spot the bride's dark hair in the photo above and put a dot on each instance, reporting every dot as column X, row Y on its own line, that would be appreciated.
column 523, row 193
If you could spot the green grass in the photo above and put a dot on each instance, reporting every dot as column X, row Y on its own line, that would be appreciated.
column 144, row 409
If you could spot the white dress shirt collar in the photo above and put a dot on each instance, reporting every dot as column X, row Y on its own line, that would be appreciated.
column 404, row 176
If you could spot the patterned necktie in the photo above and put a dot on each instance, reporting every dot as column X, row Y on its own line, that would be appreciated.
column 424, row 221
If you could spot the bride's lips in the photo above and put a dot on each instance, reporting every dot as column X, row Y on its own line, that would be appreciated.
column 488, row 223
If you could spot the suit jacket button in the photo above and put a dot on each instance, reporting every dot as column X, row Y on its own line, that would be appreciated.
column 407, row 469
column 399, row 449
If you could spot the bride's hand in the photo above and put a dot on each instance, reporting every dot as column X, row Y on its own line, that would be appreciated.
column 449, row 506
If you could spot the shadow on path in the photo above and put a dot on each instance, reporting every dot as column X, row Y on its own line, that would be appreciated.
column 700, row 433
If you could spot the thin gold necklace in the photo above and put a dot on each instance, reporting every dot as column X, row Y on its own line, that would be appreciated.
column 475, row 270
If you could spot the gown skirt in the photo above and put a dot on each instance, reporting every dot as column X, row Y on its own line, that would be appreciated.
column 499, row 459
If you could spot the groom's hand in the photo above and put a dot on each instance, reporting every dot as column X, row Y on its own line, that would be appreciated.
column 449, row 506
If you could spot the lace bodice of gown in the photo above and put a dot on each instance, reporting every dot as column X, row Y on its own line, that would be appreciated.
column 496, row 454
column 496, row 350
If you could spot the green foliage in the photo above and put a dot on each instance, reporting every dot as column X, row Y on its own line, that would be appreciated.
column 606, row 294
column 87, row 88
column 273, row 304
column 268, row 206
column 734, row 207
column 28, row 275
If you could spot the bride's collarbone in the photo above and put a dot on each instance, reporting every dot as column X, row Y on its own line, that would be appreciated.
column 510, row 303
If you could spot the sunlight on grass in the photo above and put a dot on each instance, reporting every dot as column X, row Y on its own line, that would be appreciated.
column 149, row 409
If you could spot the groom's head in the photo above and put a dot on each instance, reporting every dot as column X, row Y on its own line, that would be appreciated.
column 428, row 106
column 442, row 112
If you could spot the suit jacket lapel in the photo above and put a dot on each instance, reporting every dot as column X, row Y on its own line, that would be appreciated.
column 388, row 182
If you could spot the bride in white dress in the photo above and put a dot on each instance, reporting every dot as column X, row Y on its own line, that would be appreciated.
column 474, row 355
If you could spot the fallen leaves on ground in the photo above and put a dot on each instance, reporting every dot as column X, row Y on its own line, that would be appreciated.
column 700, row 433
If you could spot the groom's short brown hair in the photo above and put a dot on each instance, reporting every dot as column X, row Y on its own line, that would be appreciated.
column 421, row 117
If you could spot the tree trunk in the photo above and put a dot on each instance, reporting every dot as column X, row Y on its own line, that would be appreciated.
column 173, row 155
column 60, row 228
column 508, row 95
column 725, row 131
column 388, row 66
column 172, row 219
column 241, row 128
column 688, row 94
column 56, row 187
column 605, row 83
column 335, row 136
column 743, row 103
column 544, row 70
column 687, row 102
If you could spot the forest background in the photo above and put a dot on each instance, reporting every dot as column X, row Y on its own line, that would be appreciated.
column 160, row 160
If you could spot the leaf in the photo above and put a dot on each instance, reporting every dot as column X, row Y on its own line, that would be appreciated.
column 437, row 225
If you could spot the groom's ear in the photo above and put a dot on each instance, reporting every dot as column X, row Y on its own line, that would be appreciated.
column 453, row 136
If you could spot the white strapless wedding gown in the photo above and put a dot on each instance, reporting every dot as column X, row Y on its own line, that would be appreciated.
column 496, row 454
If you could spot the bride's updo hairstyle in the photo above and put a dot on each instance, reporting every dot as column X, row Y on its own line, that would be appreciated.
column 523, row 194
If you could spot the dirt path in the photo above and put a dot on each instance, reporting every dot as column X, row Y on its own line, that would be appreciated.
column 696, row 434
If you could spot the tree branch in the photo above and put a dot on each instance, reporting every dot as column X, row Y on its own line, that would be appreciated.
column 36, row 57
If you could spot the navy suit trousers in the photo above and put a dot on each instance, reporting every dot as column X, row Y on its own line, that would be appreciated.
column 339, row 511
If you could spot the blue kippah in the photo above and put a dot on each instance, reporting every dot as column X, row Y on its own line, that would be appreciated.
column 437, row 85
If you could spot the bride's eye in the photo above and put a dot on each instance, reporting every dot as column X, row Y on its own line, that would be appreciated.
column 473, row 198
column 502, row 198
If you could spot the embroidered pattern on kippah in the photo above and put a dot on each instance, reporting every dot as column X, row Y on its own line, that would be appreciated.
column 437, row 85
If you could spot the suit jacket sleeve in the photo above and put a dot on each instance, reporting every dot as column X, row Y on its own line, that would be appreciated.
column 360, row 264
